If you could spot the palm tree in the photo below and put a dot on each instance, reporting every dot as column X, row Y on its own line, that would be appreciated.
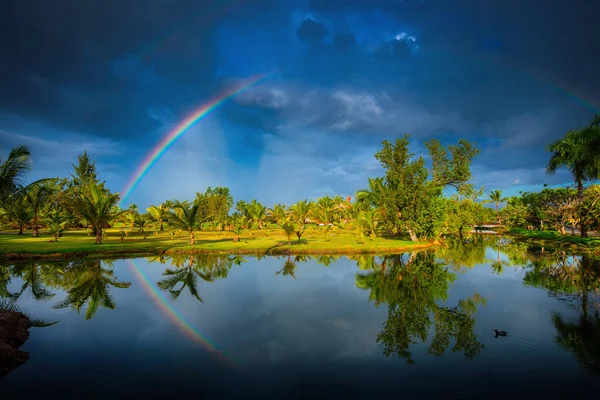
column 188, row 217
column 36, row 196
column 288, row 229
column 258, row 212
column 159, row 213
column 573, row 152
column 368, row 220
column 277, row 213
column 496, row 198
column 18, row 212
column 13, row 169
column 55, row 223
column 97, row 207
column 300, row 211
column 371, row 196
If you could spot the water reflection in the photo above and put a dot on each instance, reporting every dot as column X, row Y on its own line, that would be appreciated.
column 90, row 282
column 412, row 290
column 575, row 280
column 188, row 269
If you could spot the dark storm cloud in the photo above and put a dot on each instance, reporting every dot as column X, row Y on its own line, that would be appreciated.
column 346, row 74
column 66, row 62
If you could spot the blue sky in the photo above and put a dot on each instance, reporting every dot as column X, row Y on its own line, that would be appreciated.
column 114, row 77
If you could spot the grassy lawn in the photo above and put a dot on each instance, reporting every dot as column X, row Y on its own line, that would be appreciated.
column 554, row 239
column 78, row 244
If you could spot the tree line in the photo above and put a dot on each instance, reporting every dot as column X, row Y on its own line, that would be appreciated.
column 407, row 201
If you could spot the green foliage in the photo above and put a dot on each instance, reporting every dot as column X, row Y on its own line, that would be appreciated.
column 409, row 201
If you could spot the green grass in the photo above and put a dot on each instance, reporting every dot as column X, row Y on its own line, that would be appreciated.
column 79, row 244
column 554, row 239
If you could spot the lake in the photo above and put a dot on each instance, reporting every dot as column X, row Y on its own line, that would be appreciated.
column 417, row 325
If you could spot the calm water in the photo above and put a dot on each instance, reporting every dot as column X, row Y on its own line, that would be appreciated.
column 415, row 326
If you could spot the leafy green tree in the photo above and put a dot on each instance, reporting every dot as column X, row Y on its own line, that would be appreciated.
column 217, row 201
column 96, row 206
column 411, row 202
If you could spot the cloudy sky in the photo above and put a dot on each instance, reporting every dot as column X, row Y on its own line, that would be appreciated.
column 115, row 76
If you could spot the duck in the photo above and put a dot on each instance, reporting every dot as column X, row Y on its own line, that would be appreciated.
column 500, row 333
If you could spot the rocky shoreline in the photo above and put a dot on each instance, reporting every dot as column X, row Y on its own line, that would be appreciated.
column 14, row 332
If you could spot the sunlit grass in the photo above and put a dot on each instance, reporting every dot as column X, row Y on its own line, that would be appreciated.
column 271, row 241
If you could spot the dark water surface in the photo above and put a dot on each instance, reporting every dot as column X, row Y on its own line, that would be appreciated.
column 419, row 325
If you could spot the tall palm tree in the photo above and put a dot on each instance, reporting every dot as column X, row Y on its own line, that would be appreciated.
column 573, row 152
column 188, row 217
column 97, row 207
column 496, row 198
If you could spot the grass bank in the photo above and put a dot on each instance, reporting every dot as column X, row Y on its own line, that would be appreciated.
column 554, row 239
column 75, row 244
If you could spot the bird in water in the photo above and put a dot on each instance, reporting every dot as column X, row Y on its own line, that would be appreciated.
column 500, row 333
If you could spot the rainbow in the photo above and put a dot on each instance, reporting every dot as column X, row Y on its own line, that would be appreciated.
column 163, row 303
column 171, row 138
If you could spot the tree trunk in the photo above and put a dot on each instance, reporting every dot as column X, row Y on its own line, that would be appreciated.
column 36, row 231
column 98, row 235
column 162, row 228
column 581, row 212
column 20, row 229
column 413, row 235
column 192, row 238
